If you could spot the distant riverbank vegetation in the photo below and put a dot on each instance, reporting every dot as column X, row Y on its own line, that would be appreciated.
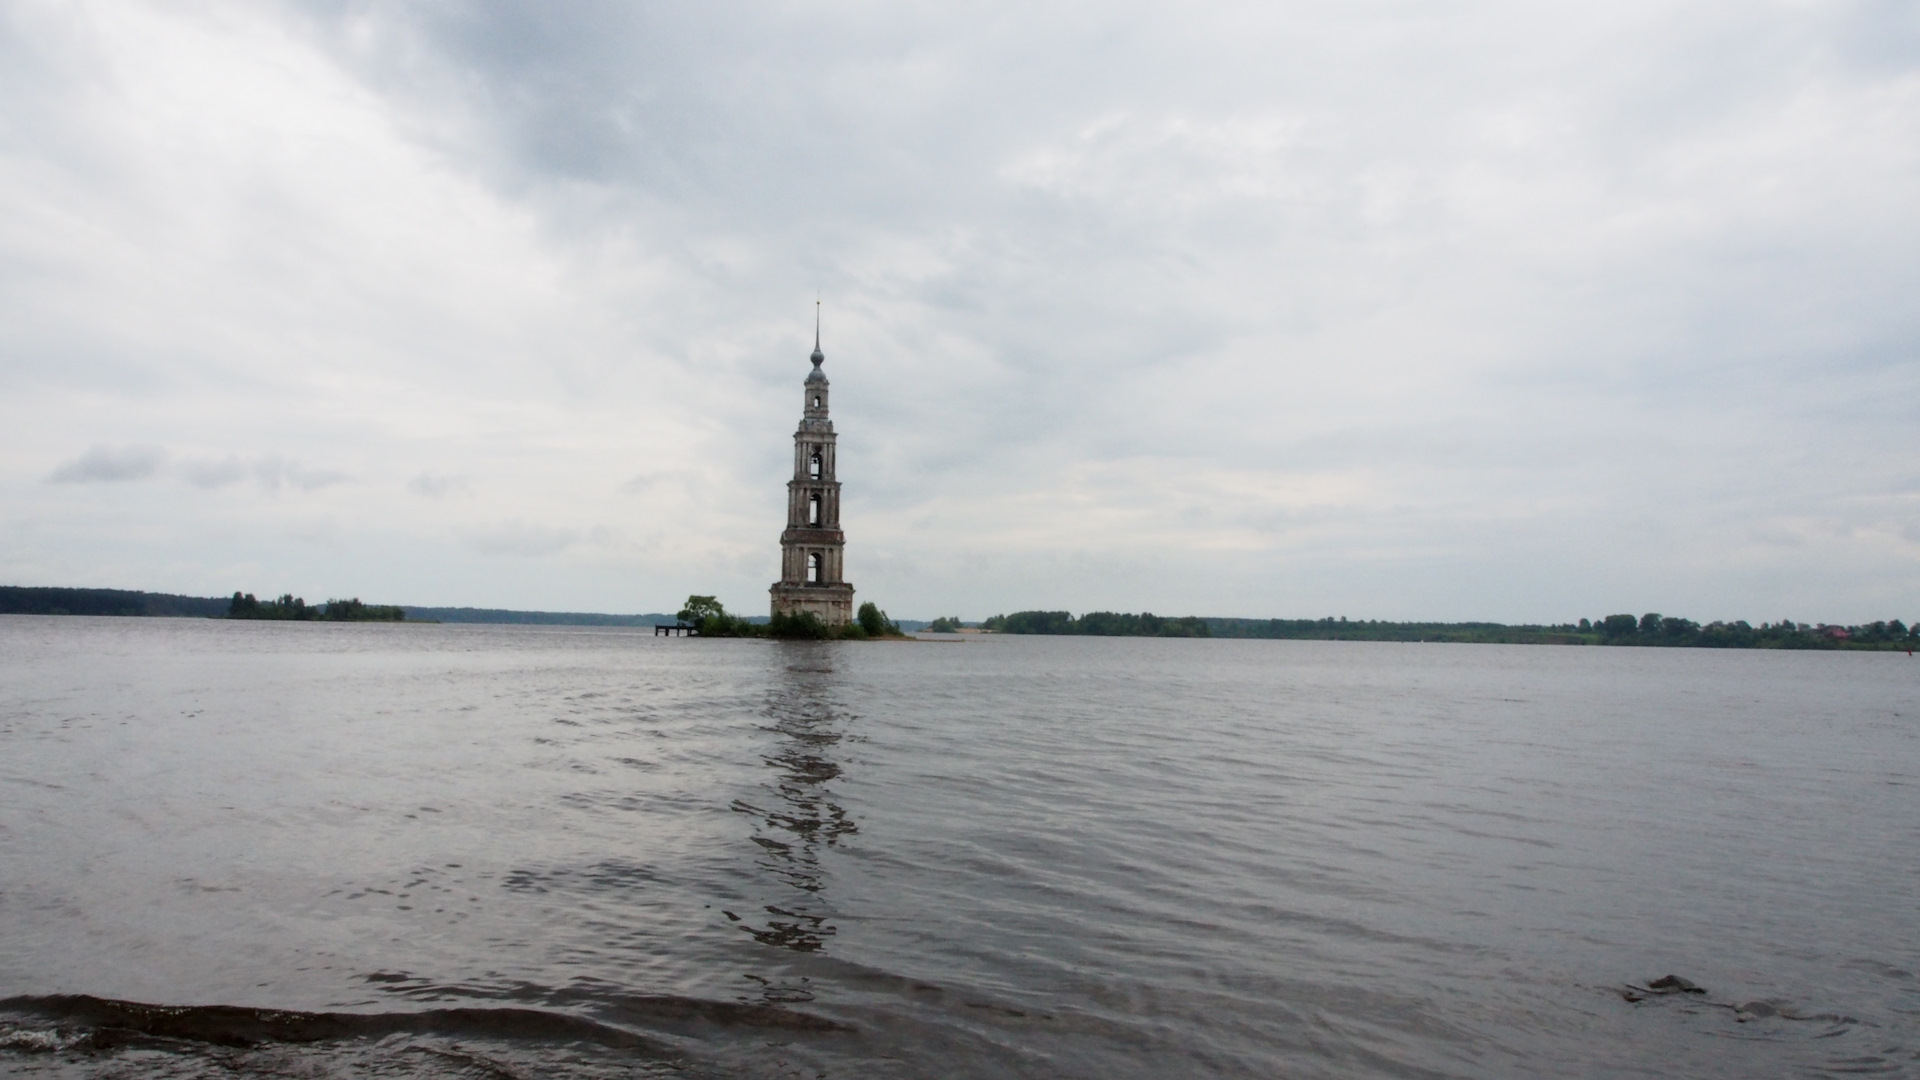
column 61, row 600
column 37, row 600
column 1097, row 624
column 710, row 619
column 707, row 614
column 294, row 609
column 1651, row 629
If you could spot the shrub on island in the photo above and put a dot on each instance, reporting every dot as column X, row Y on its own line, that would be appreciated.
column 709, row 618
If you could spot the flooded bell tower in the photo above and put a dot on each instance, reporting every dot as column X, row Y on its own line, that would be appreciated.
column 812, row 547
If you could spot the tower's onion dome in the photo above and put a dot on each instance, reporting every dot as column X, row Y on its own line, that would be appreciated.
column 816, row 375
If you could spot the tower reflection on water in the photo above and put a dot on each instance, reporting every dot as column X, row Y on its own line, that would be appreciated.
column 794, row 815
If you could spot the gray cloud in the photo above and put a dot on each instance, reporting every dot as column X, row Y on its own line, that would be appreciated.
column 639, row 483
column 270, row 471
column 274, row 472
column 519, row 538
column 110, row 464
column 214, row 473
column 440, row 485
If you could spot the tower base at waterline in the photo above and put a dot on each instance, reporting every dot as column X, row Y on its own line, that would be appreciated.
column 831, row 603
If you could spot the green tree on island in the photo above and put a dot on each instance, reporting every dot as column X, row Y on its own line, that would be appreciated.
column 710, row 619
column 875, row 622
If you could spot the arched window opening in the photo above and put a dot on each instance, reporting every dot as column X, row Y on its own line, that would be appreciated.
column 813, row 510
column 816, row 401
column 814, row 465
column 813, row 568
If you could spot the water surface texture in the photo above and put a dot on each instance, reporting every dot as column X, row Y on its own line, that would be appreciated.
column 516, row 851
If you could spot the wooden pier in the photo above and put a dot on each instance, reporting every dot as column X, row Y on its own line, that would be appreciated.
column 675, row 630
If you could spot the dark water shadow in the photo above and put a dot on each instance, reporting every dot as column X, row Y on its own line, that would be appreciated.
column 107, row 1020
column 82, row 1038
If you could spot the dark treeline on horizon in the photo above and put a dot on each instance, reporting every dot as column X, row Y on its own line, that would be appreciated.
column 1097, row 624
column 60, row 600
column 1651, row 629
column 36, row 600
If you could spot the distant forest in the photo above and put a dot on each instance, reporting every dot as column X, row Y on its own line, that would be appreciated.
column 1650, row 629
column 23, row 600
column 19, row 600
column 1097, row 624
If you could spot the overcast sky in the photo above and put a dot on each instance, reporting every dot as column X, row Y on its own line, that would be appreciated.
column 1458, row 309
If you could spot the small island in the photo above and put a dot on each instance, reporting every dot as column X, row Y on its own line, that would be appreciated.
column 707, row 617
column 291, row 608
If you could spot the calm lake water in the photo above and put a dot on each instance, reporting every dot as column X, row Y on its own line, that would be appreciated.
column 511, row 851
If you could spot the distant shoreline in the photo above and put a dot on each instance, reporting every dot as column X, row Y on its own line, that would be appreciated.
column 52, row 600
column 1892, row 635
column 1649, row 630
